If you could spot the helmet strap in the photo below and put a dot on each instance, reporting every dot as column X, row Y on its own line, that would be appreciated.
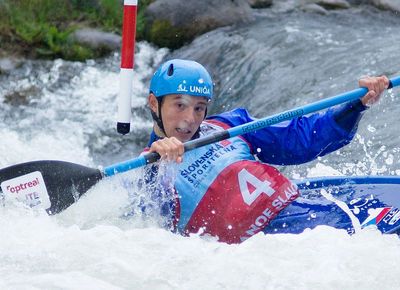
column 158, row 119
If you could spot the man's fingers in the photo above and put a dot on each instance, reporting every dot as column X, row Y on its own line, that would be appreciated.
column 387, row 81
column 382, row 84
column 178, row 149
column 375, row 86
column 179, row 146
column 170, row 149
column 369, row 98
column 378, row 84
column 160, row 148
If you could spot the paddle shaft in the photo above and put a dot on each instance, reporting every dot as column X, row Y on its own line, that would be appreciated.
column 65, row 182
column 246, row 128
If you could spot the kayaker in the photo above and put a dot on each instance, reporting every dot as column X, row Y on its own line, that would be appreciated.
column 229, row 189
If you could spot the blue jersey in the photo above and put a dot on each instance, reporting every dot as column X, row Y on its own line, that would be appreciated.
column 227, row 189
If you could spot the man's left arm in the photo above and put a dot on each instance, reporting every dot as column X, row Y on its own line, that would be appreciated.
column 306, row 138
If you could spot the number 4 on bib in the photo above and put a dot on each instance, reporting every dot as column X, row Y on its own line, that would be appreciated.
column 245, row 179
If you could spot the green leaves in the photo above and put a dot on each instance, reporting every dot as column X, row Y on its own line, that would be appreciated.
column 42, row 28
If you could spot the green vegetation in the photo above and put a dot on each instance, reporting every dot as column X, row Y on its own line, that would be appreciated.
column 141, row 19
column 163, row 34
column 42, row 28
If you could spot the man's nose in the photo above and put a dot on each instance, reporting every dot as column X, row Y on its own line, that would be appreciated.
column 190, row 115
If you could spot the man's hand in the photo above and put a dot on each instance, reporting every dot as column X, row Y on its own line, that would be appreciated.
column 375, row 86
column 170, row 149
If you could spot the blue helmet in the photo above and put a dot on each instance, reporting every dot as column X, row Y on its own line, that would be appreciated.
column 179, row 76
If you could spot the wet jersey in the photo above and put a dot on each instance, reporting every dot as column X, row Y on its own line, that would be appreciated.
column 228, row 190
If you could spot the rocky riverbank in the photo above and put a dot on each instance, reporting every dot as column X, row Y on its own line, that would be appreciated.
column 165, row 23
column 67, row 29
column 172, row 23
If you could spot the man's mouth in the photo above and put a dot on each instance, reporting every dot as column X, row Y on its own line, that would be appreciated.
column 183, row 131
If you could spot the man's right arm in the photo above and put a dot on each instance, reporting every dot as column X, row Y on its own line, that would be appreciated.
column 292, row 142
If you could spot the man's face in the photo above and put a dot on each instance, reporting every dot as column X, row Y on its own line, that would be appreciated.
column 182, row 115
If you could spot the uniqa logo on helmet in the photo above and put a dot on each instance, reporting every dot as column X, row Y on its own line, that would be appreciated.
column 199, row 90
column 182, row 88
column 194, row 89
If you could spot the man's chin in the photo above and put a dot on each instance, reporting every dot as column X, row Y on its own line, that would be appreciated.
column 184, row 137
column 183, row 140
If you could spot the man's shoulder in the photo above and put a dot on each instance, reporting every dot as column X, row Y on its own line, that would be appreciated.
column 234, row 112
column 231, row 118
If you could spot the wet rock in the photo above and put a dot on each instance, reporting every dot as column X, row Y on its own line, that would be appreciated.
column 314, row 8
column 97, row 39
column 358, row 2
column 172, row 23
column 8, row 64
column 393, row 5
column 330, row 4
column 283, row 6
column 260, row 3
column 21, row 97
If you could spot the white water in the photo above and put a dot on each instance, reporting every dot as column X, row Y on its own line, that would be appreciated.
column 89, row 246
column 42, row 252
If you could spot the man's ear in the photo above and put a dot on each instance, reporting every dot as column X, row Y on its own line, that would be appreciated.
column 153, row 103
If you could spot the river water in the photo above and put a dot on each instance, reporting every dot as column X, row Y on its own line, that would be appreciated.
column 67, row 111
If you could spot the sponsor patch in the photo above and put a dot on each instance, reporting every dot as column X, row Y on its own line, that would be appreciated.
column 29, row 189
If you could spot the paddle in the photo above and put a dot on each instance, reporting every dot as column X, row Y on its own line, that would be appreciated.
column 65, row 182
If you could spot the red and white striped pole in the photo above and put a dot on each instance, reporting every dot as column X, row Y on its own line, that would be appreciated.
column 127, row 62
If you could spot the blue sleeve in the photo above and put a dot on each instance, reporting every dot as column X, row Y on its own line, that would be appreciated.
column 349, row 114
column 301, row 139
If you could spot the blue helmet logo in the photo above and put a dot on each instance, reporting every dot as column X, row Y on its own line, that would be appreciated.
column 180, row 76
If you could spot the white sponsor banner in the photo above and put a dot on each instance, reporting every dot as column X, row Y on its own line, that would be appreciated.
column 29, row 189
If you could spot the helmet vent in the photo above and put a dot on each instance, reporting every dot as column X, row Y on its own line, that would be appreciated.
column 171, row 69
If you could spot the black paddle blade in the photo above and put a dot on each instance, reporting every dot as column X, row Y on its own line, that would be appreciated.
column 65, row 182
